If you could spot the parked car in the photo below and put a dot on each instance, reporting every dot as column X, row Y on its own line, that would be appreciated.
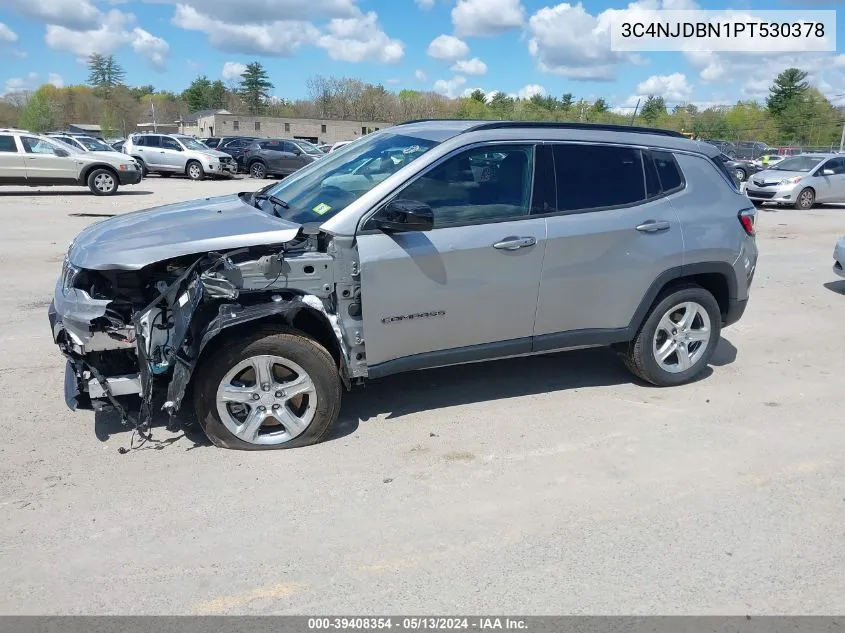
column 84, row 143
column 726, row 147
column 768, row 160
column 839, row 258
column 36, row 160
column 168, row 154
column 464, row 241
column 118, row 145
column 800, row 181
column 741, row 169
column 324, row 147
column 338, row 145
column 278, row 157
column 752, row 150
column 236, row 146
column 211, row 142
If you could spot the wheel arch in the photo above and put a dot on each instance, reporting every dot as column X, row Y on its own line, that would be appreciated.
column 718, row 278
column 86, row 171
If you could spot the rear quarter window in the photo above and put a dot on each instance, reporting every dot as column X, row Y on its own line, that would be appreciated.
column 668, row 171
column 7, row 144
column 719, row 161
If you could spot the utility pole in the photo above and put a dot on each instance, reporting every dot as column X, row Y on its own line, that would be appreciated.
column 842, row 140
column 634, row 116
column 153, row 109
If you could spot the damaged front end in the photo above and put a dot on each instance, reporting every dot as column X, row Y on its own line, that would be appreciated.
column 131, row 334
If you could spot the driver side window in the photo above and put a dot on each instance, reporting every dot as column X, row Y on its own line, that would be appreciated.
column 32, row 145
column 169, row 143
column 837, row 165
column 477, row 186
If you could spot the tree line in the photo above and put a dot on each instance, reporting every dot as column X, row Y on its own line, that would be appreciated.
column 794, row 113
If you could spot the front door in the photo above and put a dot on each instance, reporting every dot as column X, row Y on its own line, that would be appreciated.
column 467, row 289
column 45, row 166
column 12, row 164
column 172, row 155
column 830, row 181
column 613, row 232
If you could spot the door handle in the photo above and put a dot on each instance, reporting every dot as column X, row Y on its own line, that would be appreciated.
column 515, row 243
column 653, row 226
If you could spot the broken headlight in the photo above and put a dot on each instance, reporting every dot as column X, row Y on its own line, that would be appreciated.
column 69, row 275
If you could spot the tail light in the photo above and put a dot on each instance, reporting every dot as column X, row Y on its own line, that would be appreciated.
column 746, row 219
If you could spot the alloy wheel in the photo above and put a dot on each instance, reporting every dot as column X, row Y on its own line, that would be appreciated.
column 104, row 182
column 682, row 337
column 267, row 400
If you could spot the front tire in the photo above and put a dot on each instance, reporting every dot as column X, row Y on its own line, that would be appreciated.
column 805, row 200
column 195, row 170
column 740, row 174
column 274, row 389
column 103, row 182
column 678, row 337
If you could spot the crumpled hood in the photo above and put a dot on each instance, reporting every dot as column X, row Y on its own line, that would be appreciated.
column 135, row 240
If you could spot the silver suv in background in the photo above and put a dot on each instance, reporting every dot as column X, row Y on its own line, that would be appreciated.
column 800, row 181
column 35, row 160
column 84, row 143
column 168, row 154
column 422, row 245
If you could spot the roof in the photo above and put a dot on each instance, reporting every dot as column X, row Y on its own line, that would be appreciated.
column 90, row 127
column 193, row 116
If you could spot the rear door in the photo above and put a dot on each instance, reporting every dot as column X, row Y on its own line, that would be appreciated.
column 12, row 167
column 611, row 233
column 148, row 148
column 44, row 166
column 830, row 181
column 467, row 289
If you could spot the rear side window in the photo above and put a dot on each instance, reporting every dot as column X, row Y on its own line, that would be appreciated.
column 152, row 141
column 598, row 176
column 668, row 171
column 7, row 144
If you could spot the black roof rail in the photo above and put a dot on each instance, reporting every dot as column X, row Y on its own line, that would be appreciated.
column 498, row 125
column 412, row 121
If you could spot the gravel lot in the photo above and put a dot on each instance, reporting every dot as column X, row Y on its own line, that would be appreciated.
column 545, row 485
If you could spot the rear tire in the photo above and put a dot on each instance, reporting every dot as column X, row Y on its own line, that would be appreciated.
column 194, row 170
column 740, row 174
column 663, row 358
column 144, row 171
column 103, row 182
column 284, row 422
column 258, row 170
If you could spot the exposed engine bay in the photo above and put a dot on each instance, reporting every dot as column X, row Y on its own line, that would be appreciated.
column 131, row 334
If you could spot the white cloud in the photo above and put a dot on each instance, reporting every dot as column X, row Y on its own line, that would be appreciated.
column 673, row 88
column 393, row 81
column 56, row 80
column 531, row 90
column 112, row 34
column 420, row 75
column 487, row 17
column 19, row 84
column 568, row 41
column 450, row 87
column 232, row 71
column 360, row 38
column 472, row 66
column 7, row 34
column 447, row 48
column 266, row 11
column 262, row 39
column 425, row 4
column 73, row 14
column 20, row 54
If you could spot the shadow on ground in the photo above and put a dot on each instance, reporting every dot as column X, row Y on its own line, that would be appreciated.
column 75, row 192
column 413, row 392
column 836, row 286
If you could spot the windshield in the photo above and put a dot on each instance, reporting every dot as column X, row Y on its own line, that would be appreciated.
column 308, row 148
column 799, row 163
column 192, row 143
column 94, row 145
column 336, row 181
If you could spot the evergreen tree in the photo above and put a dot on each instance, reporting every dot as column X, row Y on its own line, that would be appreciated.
column 104, row 73
column 788, row 88
column 255, row 87
column 653, row 109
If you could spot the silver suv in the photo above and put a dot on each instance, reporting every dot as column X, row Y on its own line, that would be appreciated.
column 36, row 160
column 422, row 245
column 168, row 154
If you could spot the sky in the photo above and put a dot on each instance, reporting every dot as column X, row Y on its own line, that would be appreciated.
column 520, row 47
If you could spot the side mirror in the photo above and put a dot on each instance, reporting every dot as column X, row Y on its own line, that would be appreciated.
column 828, row 172
column 62, row 152
column 405, row 215
column 297, row 151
